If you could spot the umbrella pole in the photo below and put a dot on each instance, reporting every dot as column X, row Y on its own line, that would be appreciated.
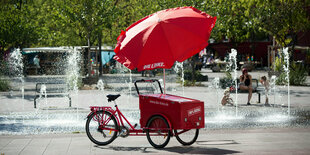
column 164, row 82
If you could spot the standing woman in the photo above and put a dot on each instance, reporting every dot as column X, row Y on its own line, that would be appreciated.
column 246, row 83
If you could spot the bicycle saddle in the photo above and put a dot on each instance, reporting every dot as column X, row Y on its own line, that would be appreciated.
column 112, row 97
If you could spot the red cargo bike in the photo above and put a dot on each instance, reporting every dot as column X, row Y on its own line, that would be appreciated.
column 162, row 116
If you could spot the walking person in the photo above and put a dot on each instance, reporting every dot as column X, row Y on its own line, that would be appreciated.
column 246, row 83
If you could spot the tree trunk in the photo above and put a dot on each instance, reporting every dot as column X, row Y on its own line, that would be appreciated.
column 88, row 55
column 252, row 45
column 99, row 59
column 294, row 42
column 193, row 68
column 1, row 55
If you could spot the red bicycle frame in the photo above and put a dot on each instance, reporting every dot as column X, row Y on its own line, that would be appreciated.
column 119, row 118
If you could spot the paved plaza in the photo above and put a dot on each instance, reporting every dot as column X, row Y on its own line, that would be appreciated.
column 254, row 129
column 254, row 141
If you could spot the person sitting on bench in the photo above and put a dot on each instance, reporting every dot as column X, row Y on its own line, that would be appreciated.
column 246, row 83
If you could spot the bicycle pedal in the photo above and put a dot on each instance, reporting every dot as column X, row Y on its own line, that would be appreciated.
column 135, row 125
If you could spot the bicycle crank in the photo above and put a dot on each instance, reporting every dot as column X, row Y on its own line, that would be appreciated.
column 124, row 132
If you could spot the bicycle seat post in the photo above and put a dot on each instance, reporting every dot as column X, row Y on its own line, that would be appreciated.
column 115, row 103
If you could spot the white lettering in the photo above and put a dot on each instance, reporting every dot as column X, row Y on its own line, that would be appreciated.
column 154, row 65
column 194, row 111
column 146, row 67
column 159, row 103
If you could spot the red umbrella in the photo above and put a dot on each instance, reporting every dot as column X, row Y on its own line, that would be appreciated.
column 160, row 39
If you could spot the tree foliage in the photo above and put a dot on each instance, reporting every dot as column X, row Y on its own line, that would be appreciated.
column 15, row 24
column 282, row 19
column 28, row 23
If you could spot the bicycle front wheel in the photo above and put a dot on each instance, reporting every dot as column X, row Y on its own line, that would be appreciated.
column 101, row 128
column 158, row 132
column 186, row 137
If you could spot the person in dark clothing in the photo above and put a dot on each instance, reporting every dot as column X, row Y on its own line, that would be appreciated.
column 246, row 83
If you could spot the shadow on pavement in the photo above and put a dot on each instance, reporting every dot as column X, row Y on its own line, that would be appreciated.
column 179, row 149
column 120, row 148
column 217, row 142
column 199, row 150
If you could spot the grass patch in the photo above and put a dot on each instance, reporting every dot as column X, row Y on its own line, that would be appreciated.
column 4, row 84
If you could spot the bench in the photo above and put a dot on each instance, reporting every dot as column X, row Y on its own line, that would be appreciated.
column 52, row 90
column 254, row 86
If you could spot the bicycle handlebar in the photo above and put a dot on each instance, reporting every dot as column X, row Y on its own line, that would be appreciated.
column 151, row 80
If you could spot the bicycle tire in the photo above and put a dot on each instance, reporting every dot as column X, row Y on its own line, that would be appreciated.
column 186, row 138
column 98, row 135
column 162, row 135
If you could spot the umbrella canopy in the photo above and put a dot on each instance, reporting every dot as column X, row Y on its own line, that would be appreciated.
column 160, row 39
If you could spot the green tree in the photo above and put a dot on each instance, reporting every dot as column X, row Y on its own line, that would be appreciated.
column 16, row 29
column 235, row 20
column 25, row 23
column 282, row 19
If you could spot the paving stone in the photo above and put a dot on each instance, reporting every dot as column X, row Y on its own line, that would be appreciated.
column 16, row 146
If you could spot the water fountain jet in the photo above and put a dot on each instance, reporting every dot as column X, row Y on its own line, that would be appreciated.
column 177, row 67
column 273, row 80
column 233, row 66
column 286, row 68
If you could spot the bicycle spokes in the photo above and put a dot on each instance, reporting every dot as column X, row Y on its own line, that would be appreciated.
column 158, row 133
column 101, row 127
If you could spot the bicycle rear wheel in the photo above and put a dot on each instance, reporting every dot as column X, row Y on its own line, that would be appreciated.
column 186, row 137
column 101, row 128
column 158, row 132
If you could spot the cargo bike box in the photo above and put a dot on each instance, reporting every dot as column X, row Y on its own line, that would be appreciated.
column 180, row 112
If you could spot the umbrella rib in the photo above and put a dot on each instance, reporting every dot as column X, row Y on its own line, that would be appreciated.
column 167, row 41
column 144, row 44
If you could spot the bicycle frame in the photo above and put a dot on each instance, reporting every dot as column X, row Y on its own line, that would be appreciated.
column 103, row 120
column 120, row 120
